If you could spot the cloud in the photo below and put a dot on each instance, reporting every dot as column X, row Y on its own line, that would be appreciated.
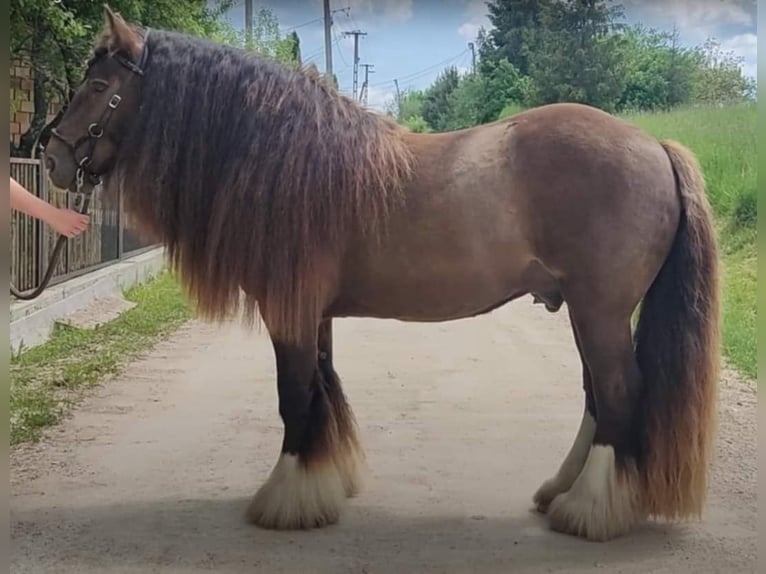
column 698, row 17
column 469, row 30
column 398, row 10
column 476, row 18
column 746, row 47
column 730, row 22
column 379, row 99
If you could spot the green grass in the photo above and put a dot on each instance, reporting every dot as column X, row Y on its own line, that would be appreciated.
column 46, row 380
column 739, row 308
column 724, row 140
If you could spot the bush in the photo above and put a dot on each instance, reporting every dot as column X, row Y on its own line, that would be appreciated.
column 510, row 109
column 417, row 124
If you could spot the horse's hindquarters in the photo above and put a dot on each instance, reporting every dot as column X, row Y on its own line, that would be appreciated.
column 561, row 200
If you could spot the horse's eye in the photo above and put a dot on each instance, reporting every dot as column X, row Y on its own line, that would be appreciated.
column 99, row 85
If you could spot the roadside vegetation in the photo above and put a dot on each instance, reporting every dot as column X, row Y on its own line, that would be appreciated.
column 46, row 380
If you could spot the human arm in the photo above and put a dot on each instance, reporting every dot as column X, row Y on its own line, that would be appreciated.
column 64, row 221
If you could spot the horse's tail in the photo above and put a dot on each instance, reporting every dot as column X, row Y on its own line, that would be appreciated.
column 677, row 348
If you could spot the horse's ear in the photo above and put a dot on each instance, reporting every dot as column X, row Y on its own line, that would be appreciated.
column 120, row 36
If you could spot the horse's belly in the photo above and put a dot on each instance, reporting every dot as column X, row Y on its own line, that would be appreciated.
column 426, row 305
column 439, row 288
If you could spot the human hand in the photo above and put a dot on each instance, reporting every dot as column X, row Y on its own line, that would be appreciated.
column 68, row 222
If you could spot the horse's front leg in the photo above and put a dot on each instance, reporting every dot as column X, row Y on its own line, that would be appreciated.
column 318, row 465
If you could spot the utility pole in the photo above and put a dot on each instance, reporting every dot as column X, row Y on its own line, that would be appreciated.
column 366, row 84
column 473, row 56
column 356, row 34
column 249, row 24
column 327, row 39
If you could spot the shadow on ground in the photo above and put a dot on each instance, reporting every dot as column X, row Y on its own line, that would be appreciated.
column 197, row 535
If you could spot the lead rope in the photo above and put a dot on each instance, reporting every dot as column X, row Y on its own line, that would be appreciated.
column 84, row 193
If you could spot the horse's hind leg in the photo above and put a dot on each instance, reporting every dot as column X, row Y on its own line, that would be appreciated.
column 575, row 460
column 318, row 465
column 605, row 500
column 348, row 454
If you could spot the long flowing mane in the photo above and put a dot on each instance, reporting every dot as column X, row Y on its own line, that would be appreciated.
column 253, row 175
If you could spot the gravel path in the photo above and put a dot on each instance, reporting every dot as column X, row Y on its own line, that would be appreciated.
column 461, row 422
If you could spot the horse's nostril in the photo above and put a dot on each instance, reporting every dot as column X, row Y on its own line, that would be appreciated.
column 50, row 163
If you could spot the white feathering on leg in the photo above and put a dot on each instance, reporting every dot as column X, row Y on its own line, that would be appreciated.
column 571, row 467
column 298, row 496
column 603, row 503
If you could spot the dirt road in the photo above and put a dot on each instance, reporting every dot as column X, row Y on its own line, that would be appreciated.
column 461, row 423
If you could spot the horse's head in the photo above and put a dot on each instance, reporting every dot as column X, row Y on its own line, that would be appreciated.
column 85, row 143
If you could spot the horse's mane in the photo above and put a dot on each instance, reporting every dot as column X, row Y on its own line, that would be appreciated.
column 254, row 175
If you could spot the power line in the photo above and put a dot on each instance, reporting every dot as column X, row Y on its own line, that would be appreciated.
column 423, row 72
column 350, row 16
column 287, row 30
column 320, row 51
column 340, row 52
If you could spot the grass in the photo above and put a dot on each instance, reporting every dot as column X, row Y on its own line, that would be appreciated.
column 47, row 379
column 739, row 308
column 724, row 140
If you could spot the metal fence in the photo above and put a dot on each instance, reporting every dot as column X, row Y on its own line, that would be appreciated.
column 107, row 240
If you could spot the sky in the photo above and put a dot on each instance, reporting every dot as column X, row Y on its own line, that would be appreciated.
column 413, row 40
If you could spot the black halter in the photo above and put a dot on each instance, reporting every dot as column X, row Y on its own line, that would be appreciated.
column 96, row 130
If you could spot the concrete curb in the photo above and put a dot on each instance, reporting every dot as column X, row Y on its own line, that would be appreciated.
column 32, row 321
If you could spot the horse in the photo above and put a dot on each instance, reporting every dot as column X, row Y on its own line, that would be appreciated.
column 286, row 203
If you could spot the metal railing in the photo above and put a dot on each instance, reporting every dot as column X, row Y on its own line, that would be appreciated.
column 107, row 240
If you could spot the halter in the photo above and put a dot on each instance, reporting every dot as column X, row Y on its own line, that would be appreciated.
column 96, row 129
column 85, row 179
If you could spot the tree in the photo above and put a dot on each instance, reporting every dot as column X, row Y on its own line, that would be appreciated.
column 410, row 105
column 55, row 39
column 437, row 103
column 578, row 57
column 294, row 53
column 515, row 34
column 417, row 124
column 719, row 76
column 267, row 40
column 659, row 74
column 575, row 51
column 480, row 97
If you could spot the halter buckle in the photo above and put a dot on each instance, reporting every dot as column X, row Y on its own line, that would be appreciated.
column 95, row 131
column 114, row 101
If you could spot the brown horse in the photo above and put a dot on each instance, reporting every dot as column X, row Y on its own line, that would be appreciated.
column 275, row 194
